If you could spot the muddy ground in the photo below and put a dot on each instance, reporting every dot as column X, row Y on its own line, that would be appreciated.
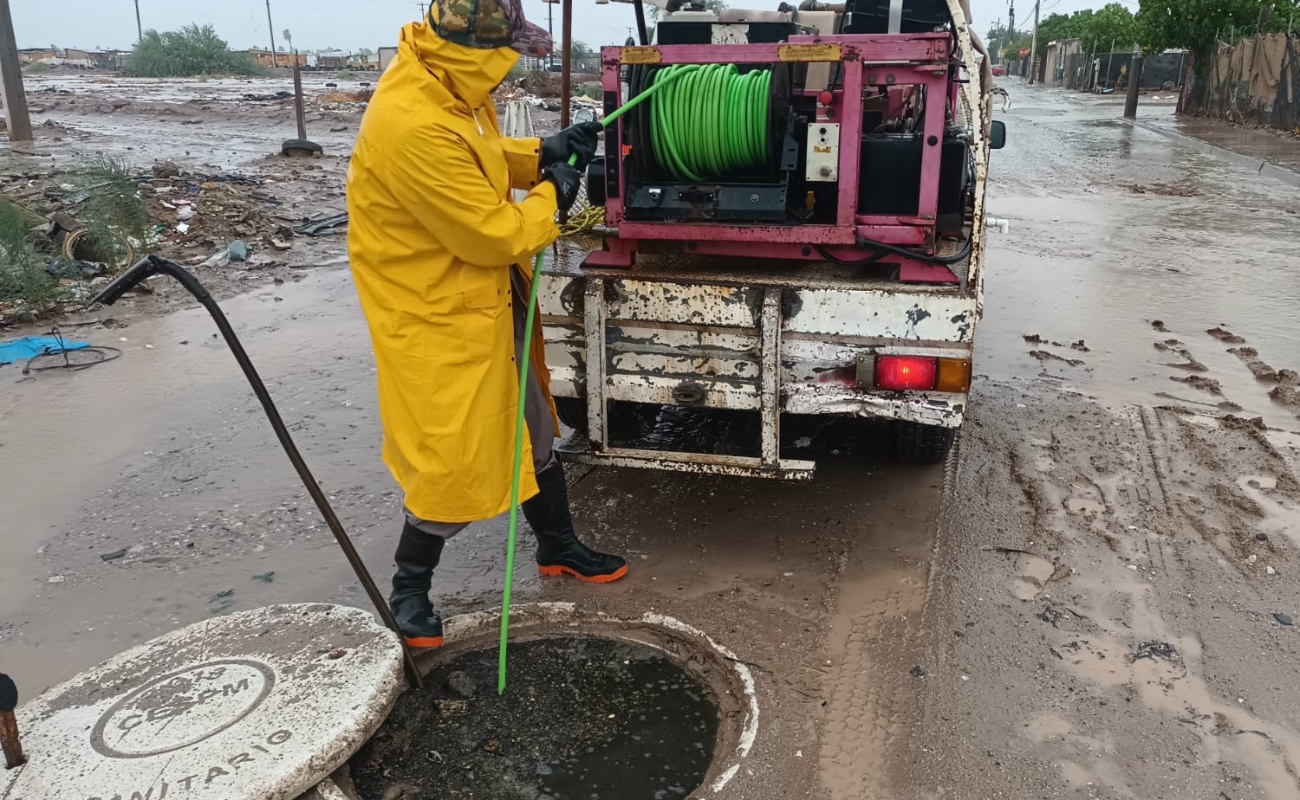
column 1092, row 599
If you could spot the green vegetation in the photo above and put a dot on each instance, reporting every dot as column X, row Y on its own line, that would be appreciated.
column 115, row 218
column 22, row 267
column 114, row 210
column 1111, row 26
column 1199, row 24
column 36, row 68
column 193, row 50
column 591, row 91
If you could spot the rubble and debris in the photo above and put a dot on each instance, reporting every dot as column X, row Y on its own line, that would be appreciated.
column 1284, row 619
column 320, row 227
column 1155, row 650
column 238, row 250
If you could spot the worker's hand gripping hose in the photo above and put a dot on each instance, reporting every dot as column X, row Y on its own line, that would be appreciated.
column 153, row 265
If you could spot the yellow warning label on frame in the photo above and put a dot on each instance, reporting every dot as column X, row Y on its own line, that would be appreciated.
column 640, row 55
column 810, row 52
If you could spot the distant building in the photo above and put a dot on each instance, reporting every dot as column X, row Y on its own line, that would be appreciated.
column 1064, row 62
column 337, row 60
column 282, row 59
column 32, row 55
column 386, row 56
column 363, row 61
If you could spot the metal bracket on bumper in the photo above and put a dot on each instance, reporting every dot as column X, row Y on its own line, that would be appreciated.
column 598, row 450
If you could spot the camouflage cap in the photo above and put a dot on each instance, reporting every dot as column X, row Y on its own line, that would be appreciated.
column 487, row 25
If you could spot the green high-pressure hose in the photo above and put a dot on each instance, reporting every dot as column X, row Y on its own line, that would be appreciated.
column 517, row 473
column 710, row 120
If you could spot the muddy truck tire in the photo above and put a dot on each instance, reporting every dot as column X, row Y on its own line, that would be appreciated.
column 913, row 443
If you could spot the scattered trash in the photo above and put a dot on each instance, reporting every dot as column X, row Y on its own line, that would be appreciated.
column 186, row 213
column 1270, row 570
column 1156, row 650
column 28, row 347
column 1050, row 615
column 238, row 250
column 453, row 708
column 322, row 226
column 182, row 227
column 113, row 556
column 221, row 601
column 265, row 577
column 1284, row 619
column 56, row 579
column 916, row 672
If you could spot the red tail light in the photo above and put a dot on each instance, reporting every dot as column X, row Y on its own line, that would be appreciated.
column 906, row 373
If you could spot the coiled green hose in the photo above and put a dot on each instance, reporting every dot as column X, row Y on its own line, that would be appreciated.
column 710, row 120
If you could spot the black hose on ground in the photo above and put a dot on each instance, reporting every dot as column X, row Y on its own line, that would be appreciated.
column 149, row 266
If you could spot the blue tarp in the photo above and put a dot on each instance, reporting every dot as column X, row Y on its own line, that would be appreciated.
column 15, row 350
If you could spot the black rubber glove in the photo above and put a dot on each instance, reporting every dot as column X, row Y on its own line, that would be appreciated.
column 580, row 140
column 567, row 181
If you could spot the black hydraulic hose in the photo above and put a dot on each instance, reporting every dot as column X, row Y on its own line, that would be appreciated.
column 881, row 249
column 862, row 262
column 153, row 265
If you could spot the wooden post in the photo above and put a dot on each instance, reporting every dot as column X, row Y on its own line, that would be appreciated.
column 298, row 109
column 13, row 749
column 11, row 80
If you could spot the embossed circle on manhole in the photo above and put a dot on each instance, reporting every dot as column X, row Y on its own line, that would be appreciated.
column 182, row 708
column 583, row 717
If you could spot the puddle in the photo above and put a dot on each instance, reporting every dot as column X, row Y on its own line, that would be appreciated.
column 582, row 717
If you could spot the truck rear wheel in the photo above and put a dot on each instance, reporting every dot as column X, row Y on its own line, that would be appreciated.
column 914, row 443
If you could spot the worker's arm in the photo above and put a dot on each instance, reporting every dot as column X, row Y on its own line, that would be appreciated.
column 523, row 157
column 436, row 177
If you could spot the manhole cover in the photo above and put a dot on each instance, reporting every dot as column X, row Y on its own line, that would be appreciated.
column 260, row 704
column 583, row 717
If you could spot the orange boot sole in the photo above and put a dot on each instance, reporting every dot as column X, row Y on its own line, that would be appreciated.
column 423, row 642
column 558, row 570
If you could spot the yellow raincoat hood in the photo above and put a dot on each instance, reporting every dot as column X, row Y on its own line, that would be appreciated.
column 432, row 235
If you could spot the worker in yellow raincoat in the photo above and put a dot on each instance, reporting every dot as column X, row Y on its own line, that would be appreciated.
column 440, row 256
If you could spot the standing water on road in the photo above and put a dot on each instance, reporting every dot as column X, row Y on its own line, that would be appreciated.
column 590, row 718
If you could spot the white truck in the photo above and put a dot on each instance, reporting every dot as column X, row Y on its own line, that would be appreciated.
column 687, row 330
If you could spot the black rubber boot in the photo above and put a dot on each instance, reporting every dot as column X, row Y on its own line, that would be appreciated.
column 417, row 555
column 558, row 550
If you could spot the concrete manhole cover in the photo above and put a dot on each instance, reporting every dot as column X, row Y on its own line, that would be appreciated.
column 260, row 704
column 584, row 717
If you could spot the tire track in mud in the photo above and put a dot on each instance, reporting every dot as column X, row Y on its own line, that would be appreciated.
column 876, row 641
column 1173, row 530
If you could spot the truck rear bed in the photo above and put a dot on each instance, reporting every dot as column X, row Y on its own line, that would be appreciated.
column 767, row 338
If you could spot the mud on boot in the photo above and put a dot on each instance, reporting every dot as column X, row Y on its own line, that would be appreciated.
column 558, row 550
column 417, row 555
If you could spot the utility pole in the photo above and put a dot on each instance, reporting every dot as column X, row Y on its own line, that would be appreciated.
column 1134, row 84
column 550, row 31
column 139, row 29
column 11, row 80
column 1033, row 45
column 270, row 28
column 421, row 10
column 1011, row 23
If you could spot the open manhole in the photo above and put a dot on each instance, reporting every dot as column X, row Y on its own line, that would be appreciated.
column 584, row 717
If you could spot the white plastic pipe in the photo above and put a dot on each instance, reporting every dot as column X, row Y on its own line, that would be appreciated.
column 1002, row 224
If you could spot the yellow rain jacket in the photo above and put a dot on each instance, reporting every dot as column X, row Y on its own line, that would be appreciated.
column 432, row 235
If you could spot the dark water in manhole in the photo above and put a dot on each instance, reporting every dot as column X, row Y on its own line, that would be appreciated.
column 582, row 719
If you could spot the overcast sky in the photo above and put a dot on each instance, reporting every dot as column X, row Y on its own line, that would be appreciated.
column 349, row 24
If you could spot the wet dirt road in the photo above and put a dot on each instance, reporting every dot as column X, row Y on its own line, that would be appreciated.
column 1079, row 604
